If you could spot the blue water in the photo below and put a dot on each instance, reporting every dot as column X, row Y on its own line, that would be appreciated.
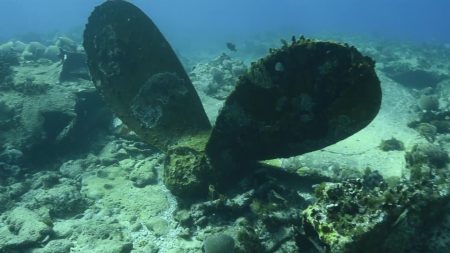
column 198, row 23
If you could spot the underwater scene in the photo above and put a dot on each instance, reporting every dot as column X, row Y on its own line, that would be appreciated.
column 171, row 126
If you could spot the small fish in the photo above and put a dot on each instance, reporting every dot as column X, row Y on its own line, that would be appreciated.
column 231, row 46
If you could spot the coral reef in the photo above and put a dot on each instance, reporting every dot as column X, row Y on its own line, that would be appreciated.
column 52, row 53
column 66, row 44
column 432, row 123
column 39, row 117
column 33, row 51
column 433, row 118
column 358, row 216
column 70, row 184
column 218, row 77
column 429, row 155
column 23, row 228
column 8, row 58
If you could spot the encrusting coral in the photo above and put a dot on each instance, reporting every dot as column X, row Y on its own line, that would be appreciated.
column 358, row 216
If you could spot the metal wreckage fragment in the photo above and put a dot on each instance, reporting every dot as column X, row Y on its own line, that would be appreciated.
column 301, row 97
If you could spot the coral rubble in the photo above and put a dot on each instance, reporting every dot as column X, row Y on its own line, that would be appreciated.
column 354, row 217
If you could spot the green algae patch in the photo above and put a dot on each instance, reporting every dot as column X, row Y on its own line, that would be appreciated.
column 187, row 171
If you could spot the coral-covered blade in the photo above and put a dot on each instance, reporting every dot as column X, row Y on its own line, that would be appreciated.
column 298, row 99
column 139, row 75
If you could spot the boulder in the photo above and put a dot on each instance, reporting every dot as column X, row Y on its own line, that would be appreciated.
column 23, row 228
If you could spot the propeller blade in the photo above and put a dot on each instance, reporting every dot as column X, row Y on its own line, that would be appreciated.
column 300, row 98
column 139, row 75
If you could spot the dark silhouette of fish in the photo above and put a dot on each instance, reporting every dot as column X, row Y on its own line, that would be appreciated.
column 231, row 46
